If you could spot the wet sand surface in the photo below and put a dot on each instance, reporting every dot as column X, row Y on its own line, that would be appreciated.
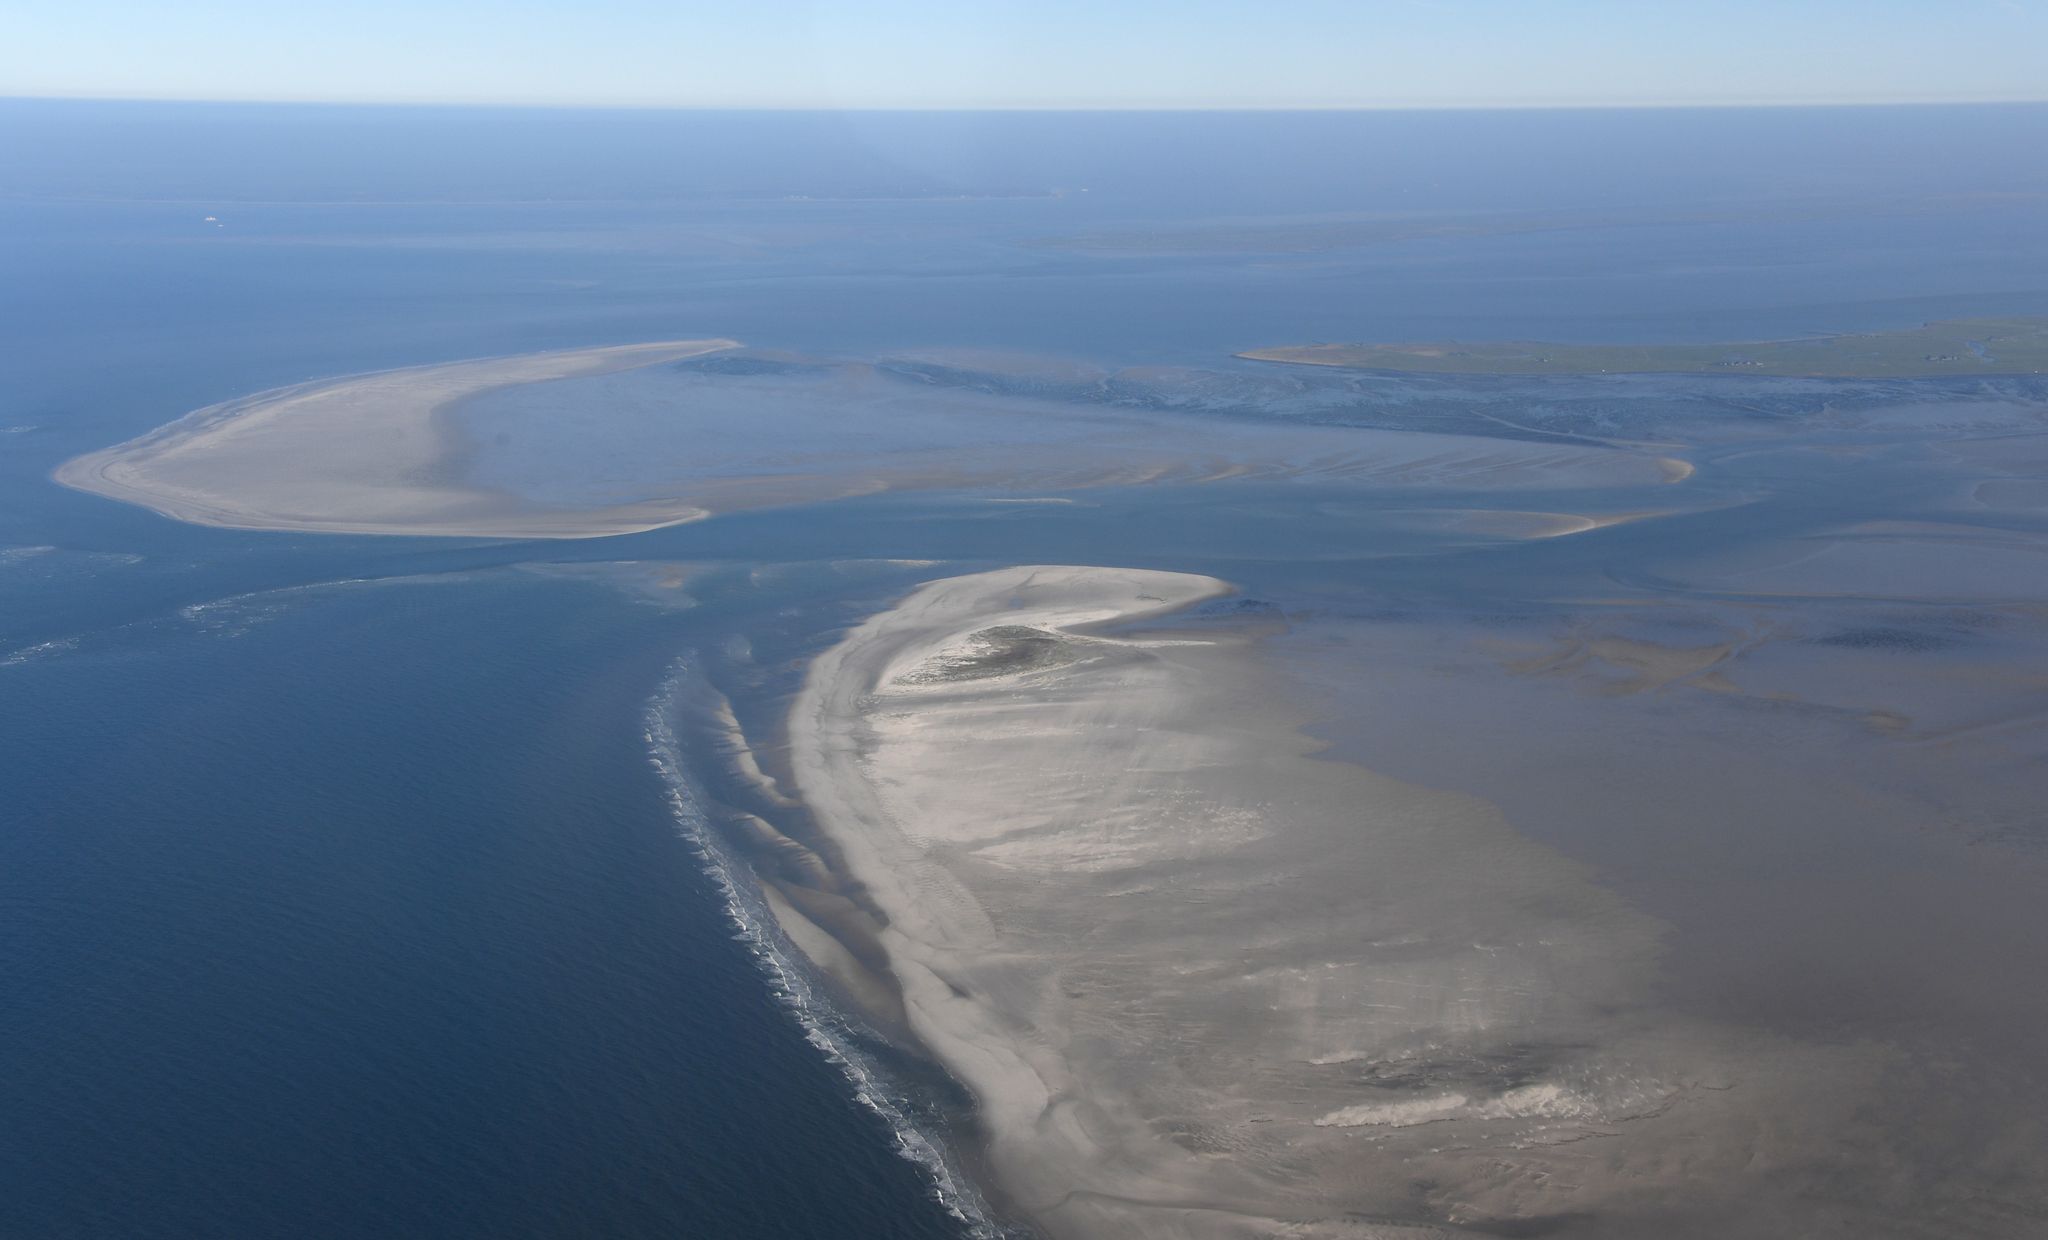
column 1676, row 876
column 1202, row 981
column 1576, row 806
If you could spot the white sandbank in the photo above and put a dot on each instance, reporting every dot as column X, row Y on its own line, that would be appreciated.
column 367, row 454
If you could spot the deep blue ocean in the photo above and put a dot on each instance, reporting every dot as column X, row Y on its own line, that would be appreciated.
column 338, row 894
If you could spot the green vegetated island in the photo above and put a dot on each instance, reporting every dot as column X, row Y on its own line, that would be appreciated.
column 2009, row 346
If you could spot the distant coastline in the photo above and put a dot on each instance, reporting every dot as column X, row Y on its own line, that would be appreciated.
column 1952, row 347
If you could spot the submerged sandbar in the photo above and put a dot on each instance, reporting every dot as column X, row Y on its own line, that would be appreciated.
column 2010, row 346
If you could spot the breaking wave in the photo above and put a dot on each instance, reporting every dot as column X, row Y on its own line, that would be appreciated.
column 824, row 1026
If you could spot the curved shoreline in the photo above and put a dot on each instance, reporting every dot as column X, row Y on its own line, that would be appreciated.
column 929, row 919
column 759, row 919
column 363, row 454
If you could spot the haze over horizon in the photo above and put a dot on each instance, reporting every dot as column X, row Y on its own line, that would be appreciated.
column 1057, row 55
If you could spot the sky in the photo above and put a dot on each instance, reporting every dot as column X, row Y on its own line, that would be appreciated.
column 1033, row 53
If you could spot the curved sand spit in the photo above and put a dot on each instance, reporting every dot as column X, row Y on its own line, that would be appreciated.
column 368, row 454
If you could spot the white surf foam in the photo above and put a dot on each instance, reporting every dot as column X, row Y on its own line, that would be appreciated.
column 40, row 650
column 824, row 1026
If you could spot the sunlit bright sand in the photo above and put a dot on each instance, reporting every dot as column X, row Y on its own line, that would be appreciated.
column 1201, row 982
column 372, row 454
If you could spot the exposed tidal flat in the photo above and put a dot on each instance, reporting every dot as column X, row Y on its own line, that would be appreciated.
column 1202, row 977
column 1252, row 897
column 1276, row 885
column 1654, row 760
column 1199, row 984
column 597, row 442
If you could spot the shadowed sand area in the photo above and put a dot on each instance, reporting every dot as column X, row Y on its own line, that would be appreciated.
column 368, row 454
column 1202, row 983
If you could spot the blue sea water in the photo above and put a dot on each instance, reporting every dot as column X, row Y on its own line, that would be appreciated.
column 339, row 893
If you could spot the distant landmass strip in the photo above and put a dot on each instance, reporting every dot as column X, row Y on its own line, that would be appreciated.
column 2002, row 346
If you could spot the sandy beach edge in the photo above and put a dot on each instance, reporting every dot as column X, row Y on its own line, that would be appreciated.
column 1009, row 1081
column 123, row 471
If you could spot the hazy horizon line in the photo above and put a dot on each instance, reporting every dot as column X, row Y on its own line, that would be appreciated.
column 1532, row 105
